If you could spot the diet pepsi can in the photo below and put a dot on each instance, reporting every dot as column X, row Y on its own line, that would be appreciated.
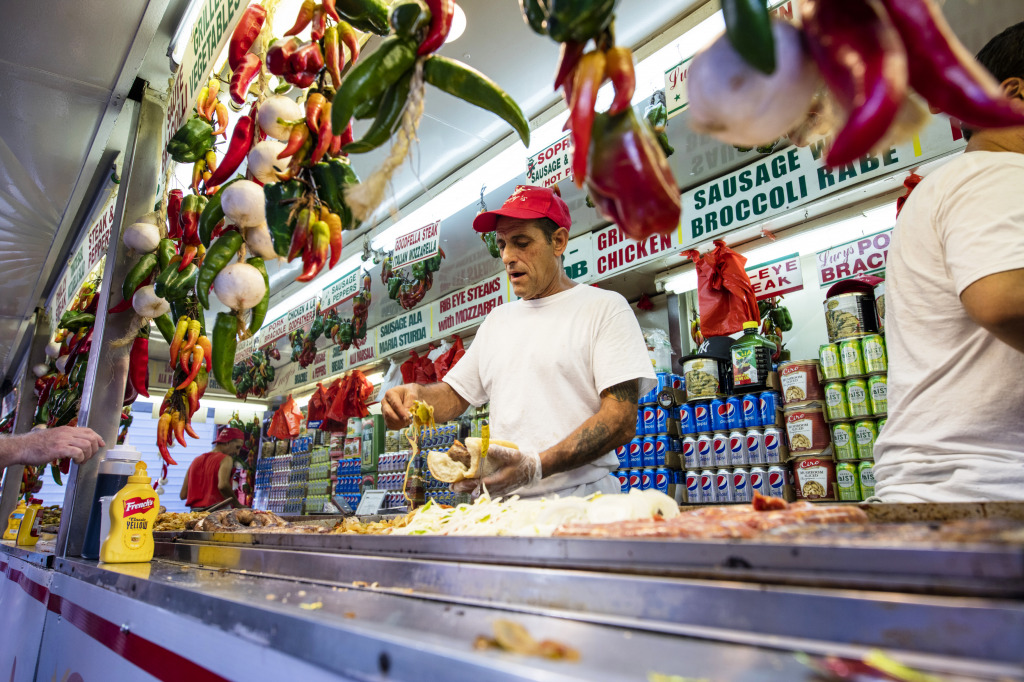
column 649, row 420
column 693, row 490
column 686, row 422
column 719, row 415
column 738, row 448
column 702, row 418
column 646, row 478
column 636, row 452
column 623, row 477
column 661, row 445
column 772, row 443
column 648, row 451
column 622, row 452
column 735, row 412
column 708, row 489
column 661, row 480
column 725, row 492
column 690, row 452
column 767, row 403
column 660, row 420
column 704, row 456
column 640, row 421
column 755, row 446
column 758, row 481
column 751, row 410
column 776, row 481
column 720, row 449
column 741, row 485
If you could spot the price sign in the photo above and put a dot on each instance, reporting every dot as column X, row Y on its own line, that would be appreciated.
column 371, row 502
column 418, row 245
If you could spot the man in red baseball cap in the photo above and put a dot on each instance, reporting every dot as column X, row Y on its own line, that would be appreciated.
column 208, row 480
column 562, row 367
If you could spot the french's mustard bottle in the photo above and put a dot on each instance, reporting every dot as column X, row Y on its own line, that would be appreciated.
column 133, row 513
column 14, row 521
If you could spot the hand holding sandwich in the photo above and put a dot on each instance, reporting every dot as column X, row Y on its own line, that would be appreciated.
column 510, row 469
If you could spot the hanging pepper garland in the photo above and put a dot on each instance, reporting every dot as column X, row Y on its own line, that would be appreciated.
column 350, row 331
column 409, row 285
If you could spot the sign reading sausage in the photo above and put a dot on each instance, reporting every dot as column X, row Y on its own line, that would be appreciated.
column 552, row 164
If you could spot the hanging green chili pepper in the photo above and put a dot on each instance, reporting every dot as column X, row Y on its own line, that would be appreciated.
column 394, row 283
column 371, row 77
column 224, row 345
column 212, row 214
column 182, row 285
column 166, row 276
column 217, row 258
column 192, row 140
column 165, row 251
column 138, row 274
column 73, row 321
column 535, row 14
column 370, row 16
column 749, row 28
column 259, row 311
column 410, row 18
column 280, row 199
column 491, row 240
column 166, row 327
column 578, row 20
column 389, row 118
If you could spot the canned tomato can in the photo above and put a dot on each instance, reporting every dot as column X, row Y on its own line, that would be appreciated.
column 623, row 476
column 708, row 489
column 755, row 447
column 719, row 415
column 844, row 440
column 661, row 480
column 738, row 448
column 635, row 477
column 636, row 452
column 758, row 481
column 646, row 478
column 661, row 446
column 866, row 432
column 702, row 418
column 647, row 458
column 866, row 477
column 878, row 394
column 650, row 417
column 768, row 404
column 742, row 490
column 734, row 412
column 724, row 490
column 857, row 398
column 690, row 452
column 777, row 481
column 773, row 445
column 686, row 423
column 704, row 455
column 847, row 480
column 831, row 367
column 720, row 449
column 835, row 401
column 693, row 490
column 873, row 350
column 751, row 411
column 852, row 357
column 660, row 420
column 622, row 452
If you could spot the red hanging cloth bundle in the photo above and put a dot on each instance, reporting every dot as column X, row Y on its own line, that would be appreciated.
column 725, row 296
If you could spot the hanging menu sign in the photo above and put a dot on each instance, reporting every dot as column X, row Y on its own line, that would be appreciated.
column 579, row 255
column 302, row 316
column 366, row 353
column 342, row 290
column 317, row 371
column 468, row 307
column 405, row 331
column 864, row 256
column 335, row 361
column 676, row 98
column 418, row 245
column 273, row 332
column 614, row 251
column 244, row 349
column 552, row 164
column 776, row 277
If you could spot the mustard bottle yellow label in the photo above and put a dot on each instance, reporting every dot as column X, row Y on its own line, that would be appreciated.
column 28, row 530
column 133, row 513
column 14, row 522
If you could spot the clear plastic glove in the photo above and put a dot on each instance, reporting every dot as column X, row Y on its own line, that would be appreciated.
column 510, row 469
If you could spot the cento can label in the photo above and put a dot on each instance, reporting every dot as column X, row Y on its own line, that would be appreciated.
column 873, row 350
column 847, row 480
column 866, row 474
column 835, row 401
column 866, row 433
column 857, row 398
column 831, row 366
column 844, row 440
column 851, row 357
column 878, row 394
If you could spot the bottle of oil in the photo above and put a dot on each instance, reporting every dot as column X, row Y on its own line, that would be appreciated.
column 751, row 360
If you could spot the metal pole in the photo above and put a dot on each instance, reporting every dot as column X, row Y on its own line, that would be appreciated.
column 107, row 370
column 26, row 406
column 674, row 326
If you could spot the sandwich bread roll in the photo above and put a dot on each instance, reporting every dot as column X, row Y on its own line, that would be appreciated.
column 444, row 468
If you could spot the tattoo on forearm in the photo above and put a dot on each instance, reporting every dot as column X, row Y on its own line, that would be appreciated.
column 590, row 442
column 626, row 392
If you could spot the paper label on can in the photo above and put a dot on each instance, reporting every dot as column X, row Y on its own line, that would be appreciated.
column 879, row 392
column 801, row 432
column 857, row 396
column 873, row 349
column 834, row 396
column 794, row 386
column 845, row 478
column 701, row 377
column 812, row 479
column 865, row 436
column 842, row 436
column 867, row 480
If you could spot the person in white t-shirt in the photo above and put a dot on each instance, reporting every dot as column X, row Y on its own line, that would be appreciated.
column 955, row 319
column 562, row 367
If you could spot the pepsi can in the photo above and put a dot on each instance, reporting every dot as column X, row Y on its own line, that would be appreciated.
column 660, row 420
column 738, row 448
column 724, row 490
column 649, row 418
column 661, row 480
column 635, row 478
column 646, row 478
column 772, row 443
column 751, row 410
column 664, row 381
column 648, row 451
column 702, row 418
column 755, row 446
column 719, row 415
column 758, row 481
column 708, row 489
column 776, row 481
column 704, row 456
column 693, row 490
column 767, row 403
column 623, row 477
column 636, row 452
column 687, row 425
column 741, row 485
column 622, row 452
column 661, row 444
column 734, row 412
column 690, row 452
column 640, row 421
column 678, row 382
column 720, row 449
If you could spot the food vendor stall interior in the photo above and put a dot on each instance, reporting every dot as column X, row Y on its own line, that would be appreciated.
column 260, row 219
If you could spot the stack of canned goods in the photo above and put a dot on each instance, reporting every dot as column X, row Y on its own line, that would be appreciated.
column 657, row 478
column 643, row 462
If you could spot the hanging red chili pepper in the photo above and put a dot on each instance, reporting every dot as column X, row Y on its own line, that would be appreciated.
column 589, row 75
column 238, row 149
column 442, row 12
column 174, row 198
column 303, row 18
column 138, row 362
column 245, row 34
column 243, row 76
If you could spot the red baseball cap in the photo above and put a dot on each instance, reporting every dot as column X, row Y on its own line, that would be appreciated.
column 528, row 201
column 229, row 434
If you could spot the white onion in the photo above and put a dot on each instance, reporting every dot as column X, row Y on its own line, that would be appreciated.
column 276, row 115
column 41, row 370
column 735, row 103
column 141, row 237
column 239, row 286
column 62, row 363
column 52, row 349
column 243, row 203
column 153, row 218
column 259, row 241
column 147, row 304
column 263, row 162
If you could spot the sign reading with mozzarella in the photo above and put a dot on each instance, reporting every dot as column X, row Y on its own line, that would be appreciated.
column 470, row 306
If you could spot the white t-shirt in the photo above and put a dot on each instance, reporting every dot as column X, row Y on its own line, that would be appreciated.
column 543, row 363
column 956, row 392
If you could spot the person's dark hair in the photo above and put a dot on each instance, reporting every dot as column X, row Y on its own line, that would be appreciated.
column 548, row 227
column 1003, row 57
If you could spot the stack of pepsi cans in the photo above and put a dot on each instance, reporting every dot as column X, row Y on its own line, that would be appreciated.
column 643, row 462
